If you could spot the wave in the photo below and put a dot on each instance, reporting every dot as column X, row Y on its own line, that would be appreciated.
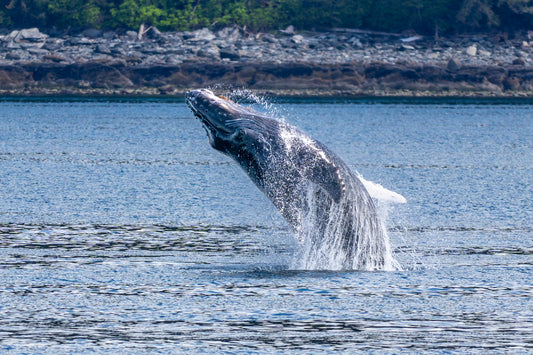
column 425, row 229
column 471, row 250
column 158, row 237
column 95, row 159
column 441, row 166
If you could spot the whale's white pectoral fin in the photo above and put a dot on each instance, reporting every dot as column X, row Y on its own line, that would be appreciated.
column 328, row 178
column 380, row 193
column 318, row 169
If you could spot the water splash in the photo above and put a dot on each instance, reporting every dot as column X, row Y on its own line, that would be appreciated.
column 346, row 235
column 334, row 218
column 260, row 103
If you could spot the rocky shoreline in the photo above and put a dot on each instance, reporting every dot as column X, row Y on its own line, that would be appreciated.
column 337, row 63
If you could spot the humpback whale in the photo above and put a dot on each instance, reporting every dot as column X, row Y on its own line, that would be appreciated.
column 323, row 201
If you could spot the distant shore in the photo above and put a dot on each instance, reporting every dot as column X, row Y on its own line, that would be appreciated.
column 339, row 63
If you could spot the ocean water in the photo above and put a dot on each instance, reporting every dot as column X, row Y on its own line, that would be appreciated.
column 123, row 231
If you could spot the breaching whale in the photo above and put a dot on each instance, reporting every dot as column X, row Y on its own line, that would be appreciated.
column 323, row 201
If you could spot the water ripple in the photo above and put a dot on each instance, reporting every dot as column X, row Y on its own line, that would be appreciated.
column 125, row 237
column 98, row 159
column 460, row 229
column 37, row 245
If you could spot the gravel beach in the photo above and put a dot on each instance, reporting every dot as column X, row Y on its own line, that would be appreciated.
column 340, row 62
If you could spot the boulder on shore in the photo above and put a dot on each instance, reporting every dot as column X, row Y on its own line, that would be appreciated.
column 342, row 60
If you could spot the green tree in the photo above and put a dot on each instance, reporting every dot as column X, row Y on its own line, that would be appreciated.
column 165, row 14
column 127, row 14
column 478, row 14
column 75, row 13
column 518, row 6
column 424, row 16
column 515, row 14
column 319, row 14
column 4, row 19
column 27, row 13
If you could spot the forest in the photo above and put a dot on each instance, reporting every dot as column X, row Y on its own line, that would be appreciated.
column 421, row 16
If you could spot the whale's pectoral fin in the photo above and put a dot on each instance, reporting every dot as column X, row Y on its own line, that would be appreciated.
column 320, row 171
column 326, row 175
column 380, row 193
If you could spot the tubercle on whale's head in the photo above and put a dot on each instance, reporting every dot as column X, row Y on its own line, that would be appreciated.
column 222, row 118
column 213, row 111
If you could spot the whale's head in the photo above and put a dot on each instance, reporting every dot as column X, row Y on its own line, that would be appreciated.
column 229, row 126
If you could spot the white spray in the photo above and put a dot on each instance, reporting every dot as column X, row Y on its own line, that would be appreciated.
column 344, row 235
column 348, row 234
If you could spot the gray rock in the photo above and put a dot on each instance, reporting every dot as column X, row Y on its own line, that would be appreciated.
column 411, row 39
column 519, row 61
column 285, row 42
column 32, row 34
column 454, row 64
column 156, row 34
column 153, row 59
column 108, row 35
column 267, row 37
column 12, row 36
column 298, row 39
column 209, row 52
column 55, row 58
column 27, row 35
column 204, row 35
column 12, row 45
column 471, row 50
column 187, row 35
column 341, row 46
column 153, row 49
column 38, row 51
column 131, row 35
column 92, row 33
column 101, row 58
column 134, row 54
column 102, row 49
column 229, row 34
column 289, row 30
column 511, row 83
column 31, row 45
column 13, row 55
column 80, row 41
column 229, row 54
column 118, row 50
column 173, row 60
column 54, row 44
column 356, row 42
column 407, row 47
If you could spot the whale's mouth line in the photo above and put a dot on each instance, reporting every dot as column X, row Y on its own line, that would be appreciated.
column 208, row 125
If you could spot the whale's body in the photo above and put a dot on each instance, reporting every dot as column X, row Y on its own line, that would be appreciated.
column 323, row 201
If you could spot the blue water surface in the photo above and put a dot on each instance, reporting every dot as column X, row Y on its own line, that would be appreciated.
column 123, row 231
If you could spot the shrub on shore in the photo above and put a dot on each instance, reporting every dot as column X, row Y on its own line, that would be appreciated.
column 423, row 16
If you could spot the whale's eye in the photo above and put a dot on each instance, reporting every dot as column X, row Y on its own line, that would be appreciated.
column 239, row 134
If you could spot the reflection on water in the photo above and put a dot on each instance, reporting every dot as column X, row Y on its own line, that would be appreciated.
column 121, row 231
